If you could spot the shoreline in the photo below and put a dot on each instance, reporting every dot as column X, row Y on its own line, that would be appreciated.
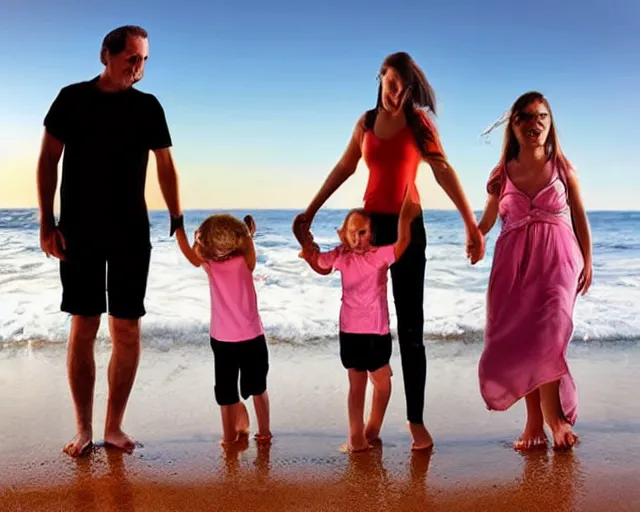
column 181, row 466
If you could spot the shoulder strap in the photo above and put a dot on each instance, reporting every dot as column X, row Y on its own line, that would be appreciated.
column 370, row 119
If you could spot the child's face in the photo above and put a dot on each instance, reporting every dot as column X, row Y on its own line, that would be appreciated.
column 357, row 233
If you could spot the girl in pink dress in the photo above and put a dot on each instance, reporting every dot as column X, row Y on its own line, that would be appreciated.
column 542, row 261
column 224, row 249
column 365, row 339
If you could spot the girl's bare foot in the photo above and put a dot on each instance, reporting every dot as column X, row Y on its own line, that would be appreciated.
column 263, row 438
column 372, row 435
column 80, row 444
column 422, row 440
column 242, row 421
column 533, row 438
column 350, row 448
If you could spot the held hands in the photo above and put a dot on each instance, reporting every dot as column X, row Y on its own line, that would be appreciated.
column 302, row 228
column 251, row 224
column 475, row 244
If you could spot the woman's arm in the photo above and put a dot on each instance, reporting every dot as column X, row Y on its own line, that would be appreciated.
column 489, row 215
column 409, row 211
column 186, row 249
column 447, row 178
column 582, row 230
column 344, row 169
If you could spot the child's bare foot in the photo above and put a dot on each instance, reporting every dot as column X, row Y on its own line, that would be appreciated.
column 80, row 444
column 118, row 439
column 563, row 436
column 422, row 440
column 242, row 421
column 263, row 438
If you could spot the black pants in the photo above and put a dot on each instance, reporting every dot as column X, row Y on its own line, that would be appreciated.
column 407, row 277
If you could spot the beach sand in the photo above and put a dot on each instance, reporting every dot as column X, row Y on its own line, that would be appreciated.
column 181, row 467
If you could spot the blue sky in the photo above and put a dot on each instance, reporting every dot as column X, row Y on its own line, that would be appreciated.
column 261, row 97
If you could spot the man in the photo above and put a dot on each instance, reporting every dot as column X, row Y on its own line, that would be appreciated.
column 106, row 128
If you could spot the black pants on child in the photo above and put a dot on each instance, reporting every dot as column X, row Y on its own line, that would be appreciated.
column 407, row 278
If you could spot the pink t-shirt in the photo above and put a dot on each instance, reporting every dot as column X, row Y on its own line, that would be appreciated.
column 234, row 304
column 364, row 307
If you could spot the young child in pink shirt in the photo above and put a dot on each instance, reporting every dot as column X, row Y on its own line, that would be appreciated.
column 365, row 339
column 224, row 248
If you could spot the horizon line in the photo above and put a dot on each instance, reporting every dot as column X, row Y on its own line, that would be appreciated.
column 238, row 208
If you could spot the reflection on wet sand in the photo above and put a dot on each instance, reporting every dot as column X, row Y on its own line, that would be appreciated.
column 247, row 476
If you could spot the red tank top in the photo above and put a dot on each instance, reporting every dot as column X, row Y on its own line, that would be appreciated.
column 393, row 165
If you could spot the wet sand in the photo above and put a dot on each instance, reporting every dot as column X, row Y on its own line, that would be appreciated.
column 181, row 467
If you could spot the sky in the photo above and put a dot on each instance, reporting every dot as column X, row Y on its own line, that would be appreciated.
column 261, row 97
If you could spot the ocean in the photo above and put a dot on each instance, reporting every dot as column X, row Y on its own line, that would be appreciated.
column 299, row 307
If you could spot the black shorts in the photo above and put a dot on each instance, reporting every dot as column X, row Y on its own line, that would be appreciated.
column 365, row 352
column 248, row 359
column 91, row 281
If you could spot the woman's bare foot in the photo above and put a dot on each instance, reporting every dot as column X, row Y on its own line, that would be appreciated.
column 563, row 436
column 422, row 440
column 80, row 444
column 118, row 439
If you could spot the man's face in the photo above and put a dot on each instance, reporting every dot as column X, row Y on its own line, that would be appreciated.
column 127, row 67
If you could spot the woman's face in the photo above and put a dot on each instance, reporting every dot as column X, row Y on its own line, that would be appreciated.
column 394, row 90
column 531, row 125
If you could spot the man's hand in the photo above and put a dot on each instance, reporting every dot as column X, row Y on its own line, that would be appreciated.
column 52, row 242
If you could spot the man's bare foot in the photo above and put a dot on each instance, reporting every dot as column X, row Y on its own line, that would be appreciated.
column 80, row 444
column 118, row 439
column 563, row 436
column 531, row 439
column 422, row 440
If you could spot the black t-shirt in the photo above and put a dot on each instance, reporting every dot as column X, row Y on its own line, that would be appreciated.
column 107, row 138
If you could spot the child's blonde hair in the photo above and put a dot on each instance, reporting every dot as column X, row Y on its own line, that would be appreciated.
column 221, row 237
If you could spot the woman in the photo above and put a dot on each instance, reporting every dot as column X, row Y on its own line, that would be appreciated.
column 542, row 260
column 393, row 139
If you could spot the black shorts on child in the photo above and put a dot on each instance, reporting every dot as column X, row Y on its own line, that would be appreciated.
column 365, row 352
column 247, row 359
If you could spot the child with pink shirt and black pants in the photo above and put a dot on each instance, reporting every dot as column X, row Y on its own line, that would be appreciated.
column 224, row 248
column 365, row 338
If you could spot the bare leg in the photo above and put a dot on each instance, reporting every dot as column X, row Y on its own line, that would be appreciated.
column 533, row 436
column 81, row 372
column 563, row 436
column 261, row 405
column 235, row 422
column 125, row 354
column 381, row 380
column 357, row 391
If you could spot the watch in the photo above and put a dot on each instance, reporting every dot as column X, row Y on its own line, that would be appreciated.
column 176, row 223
